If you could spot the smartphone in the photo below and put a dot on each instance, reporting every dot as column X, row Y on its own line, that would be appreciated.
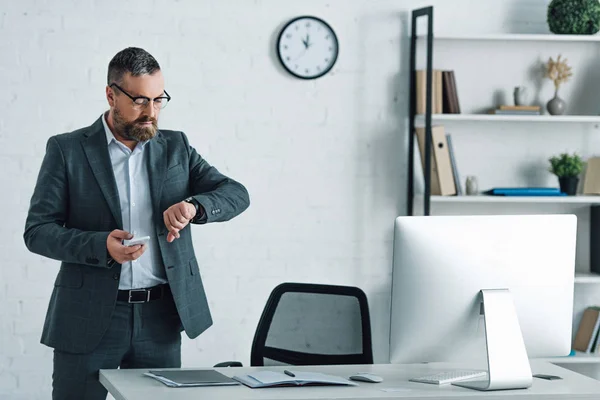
column 134, row 241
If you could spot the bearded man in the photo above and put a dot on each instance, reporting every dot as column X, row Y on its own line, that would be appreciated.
column 113, row 304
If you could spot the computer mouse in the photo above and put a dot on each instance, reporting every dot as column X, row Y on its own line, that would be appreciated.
column 366, row 377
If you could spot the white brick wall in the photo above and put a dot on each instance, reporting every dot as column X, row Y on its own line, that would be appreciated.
column 323, row 161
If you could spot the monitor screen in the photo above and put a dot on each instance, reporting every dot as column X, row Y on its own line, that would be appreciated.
column 441, row 264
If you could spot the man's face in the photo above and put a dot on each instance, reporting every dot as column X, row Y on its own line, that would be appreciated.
column 130, row 120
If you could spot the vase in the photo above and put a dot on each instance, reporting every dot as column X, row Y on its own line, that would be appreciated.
column 556, row 105
column 568, row 185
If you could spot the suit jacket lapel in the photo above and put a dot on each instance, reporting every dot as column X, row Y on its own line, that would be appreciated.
column 96, row 151
column 157, row 167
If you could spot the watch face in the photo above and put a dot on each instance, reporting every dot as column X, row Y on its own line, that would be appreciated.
column 307, row 47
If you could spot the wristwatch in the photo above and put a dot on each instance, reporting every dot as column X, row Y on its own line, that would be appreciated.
column 196, row 205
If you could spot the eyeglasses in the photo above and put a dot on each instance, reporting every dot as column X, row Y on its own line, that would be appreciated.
column 142, row 101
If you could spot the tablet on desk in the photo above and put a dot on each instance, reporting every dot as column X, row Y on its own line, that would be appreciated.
column 191, row 377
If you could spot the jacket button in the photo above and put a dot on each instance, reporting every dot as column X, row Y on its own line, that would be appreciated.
column 116, row 277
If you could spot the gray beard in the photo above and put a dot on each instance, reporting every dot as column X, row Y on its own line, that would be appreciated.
column 131, row 130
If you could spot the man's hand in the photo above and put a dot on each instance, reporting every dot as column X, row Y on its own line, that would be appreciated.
column 119, row 252
column 177, row 217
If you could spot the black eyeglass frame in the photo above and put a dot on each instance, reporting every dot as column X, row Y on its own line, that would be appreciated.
column 144, row 98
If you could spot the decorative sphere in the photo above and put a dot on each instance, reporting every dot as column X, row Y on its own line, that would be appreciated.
column 574, row 17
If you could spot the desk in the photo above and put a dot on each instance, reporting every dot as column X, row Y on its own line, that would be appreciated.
column 132, row 385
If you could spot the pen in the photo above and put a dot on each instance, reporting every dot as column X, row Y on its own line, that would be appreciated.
column 289, row 373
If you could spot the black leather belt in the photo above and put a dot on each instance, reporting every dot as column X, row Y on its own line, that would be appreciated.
column 144, row 295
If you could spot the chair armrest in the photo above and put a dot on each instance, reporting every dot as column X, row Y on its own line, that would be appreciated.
column 228, row 364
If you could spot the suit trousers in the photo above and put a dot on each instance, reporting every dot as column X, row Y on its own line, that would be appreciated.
column 144, row 335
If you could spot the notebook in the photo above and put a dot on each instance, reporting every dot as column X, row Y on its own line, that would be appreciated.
column 525, row 191
column 191, row 377
column 262, row 379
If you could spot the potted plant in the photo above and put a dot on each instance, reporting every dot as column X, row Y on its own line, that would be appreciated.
column 567, row 168
column 574, row 17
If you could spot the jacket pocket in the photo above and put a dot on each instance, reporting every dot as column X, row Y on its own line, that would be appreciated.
column 69, row 278
column 194, row 269
column 174, row 170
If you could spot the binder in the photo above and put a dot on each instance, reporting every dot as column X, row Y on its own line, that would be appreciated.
column 442, row 178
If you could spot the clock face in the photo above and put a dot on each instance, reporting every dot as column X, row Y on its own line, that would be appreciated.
column 307, row 47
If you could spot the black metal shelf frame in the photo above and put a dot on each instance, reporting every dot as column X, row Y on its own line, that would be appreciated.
column 416, row 14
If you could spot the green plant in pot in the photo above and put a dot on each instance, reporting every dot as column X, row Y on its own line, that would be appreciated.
column 574, row 17
column 567, row 168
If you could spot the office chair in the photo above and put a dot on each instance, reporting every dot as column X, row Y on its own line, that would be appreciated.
column 312, row 324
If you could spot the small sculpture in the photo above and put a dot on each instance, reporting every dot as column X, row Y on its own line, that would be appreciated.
column 472, row 186
column 520, row 95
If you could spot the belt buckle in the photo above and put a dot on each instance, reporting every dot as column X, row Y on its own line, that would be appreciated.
column 137, row 291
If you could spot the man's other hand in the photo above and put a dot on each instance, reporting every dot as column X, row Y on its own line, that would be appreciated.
column 119, row 252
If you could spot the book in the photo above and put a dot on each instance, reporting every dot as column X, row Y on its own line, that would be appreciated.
column 263, row 379
column 591, row 183
column 530, row 108
column 450, row 103
column 457, row 184
column 191, row 377
column 587, row 333
column 524, row 191
column 515, row 112
column 436, row 91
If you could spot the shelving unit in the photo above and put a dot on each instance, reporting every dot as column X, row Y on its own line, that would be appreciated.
column 420, row 119
column 515, row 199
column 582, row 204
column 587, row 277
column 516, row 37
column 578, row 358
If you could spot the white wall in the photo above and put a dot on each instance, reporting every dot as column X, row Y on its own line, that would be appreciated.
column 324, row 161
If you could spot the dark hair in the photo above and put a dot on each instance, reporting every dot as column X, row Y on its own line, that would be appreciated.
column 133, row 60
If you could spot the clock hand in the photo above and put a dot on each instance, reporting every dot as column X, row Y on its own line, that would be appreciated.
column 300, row 54
column 305, row 44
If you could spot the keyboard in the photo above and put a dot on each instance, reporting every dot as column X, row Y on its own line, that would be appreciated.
column 442, row 378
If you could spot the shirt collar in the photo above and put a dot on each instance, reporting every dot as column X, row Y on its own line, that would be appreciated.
column 109, row 135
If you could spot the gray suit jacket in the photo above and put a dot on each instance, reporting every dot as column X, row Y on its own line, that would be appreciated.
column 75, row 205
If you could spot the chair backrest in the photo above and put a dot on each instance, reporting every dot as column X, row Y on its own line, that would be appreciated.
column 313, row 324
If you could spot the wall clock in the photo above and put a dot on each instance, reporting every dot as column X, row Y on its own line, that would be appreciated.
column 307, row 47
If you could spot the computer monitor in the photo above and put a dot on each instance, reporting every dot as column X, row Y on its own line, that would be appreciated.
column 497, row 286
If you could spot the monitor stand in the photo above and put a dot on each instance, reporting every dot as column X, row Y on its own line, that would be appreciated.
column 508, row 363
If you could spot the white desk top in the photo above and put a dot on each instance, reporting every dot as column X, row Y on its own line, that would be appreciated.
column 132, row 385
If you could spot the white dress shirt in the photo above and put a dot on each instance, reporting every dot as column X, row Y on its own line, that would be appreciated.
column 131, row 173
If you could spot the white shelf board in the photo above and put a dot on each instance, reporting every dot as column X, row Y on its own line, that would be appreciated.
column 541, row 37
column 587, row 277
column 509, row 118
column 578, row 358
column 581, row 199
